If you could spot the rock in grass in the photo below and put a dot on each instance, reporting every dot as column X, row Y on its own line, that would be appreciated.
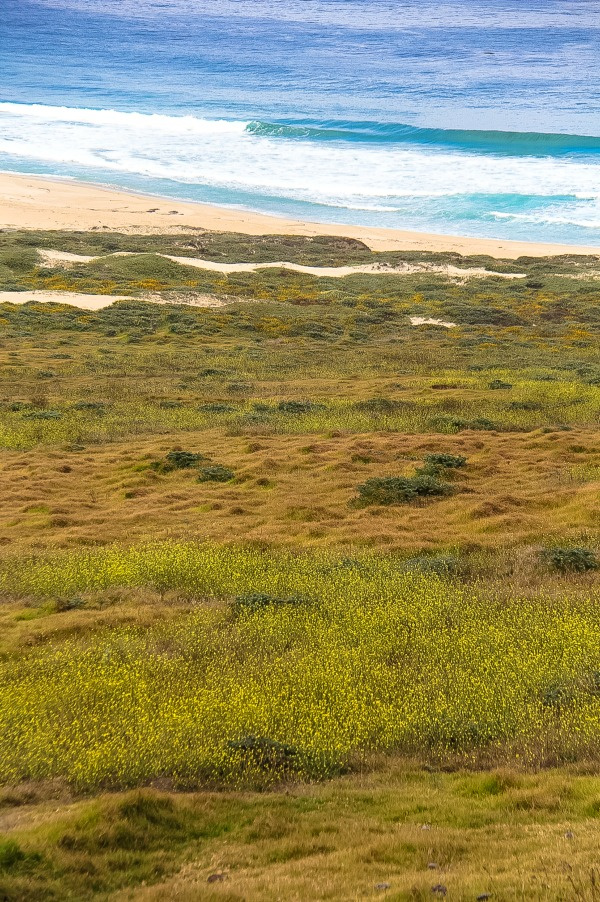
column 215, row 878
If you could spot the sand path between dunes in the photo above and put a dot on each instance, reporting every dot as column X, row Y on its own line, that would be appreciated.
column 99, row 301
column 58, row 258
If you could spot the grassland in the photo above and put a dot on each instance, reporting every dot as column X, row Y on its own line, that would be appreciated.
column 221, row 652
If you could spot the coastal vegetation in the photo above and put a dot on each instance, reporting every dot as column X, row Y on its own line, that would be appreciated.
column 289, row 576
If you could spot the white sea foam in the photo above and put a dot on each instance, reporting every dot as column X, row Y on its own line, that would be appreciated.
column 575, row 218
column 386, row 178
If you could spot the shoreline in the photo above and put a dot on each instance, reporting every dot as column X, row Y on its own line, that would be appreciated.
column 49, row 203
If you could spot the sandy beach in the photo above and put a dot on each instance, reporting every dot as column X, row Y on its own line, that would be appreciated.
column 30, row 202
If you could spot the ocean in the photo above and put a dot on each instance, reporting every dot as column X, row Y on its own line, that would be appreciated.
column 459, row 117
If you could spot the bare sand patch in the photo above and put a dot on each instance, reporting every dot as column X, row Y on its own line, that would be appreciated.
column 100, row 301
column 73, row 299
column 430, row 321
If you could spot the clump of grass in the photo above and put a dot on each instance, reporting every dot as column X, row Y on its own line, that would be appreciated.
column 400, row 489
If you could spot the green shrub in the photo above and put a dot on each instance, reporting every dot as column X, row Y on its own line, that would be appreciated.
column 43, row 415
column 400, row 489
column 296, row 406
column 446, row 461
column 441, row 565
column 379, row 405
column 19, row 260
column 571, row 560
column 480, row 424
column 258, row 601
column 263, row 753
column 216, row 407
column 184, row 460
column 179, row 460
column 90, row 406
column 216, row 473
column 525, row 405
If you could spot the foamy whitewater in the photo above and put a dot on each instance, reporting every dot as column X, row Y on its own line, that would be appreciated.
column 430, row 116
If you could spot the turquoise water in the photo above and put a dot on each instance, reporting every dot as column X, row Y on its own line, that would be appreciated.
column 455, row 117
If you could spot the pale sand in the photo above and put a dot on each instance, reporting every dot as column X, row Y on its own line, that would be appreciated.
column 62, row 258
column 72, row 298
column 28, row 202
column 99, row 301
column 429, row 321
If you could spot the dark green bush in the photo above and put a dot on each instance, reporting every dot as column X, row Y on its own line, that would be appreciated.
column 179, row 460
column 571, row 560
column 481, row 424
column 446, row 461
column 525, row 405
column 216, row 473
column 296, row 406
column 400, row 489
column 498, row 384
column 264, row 753
column 379, row 405
column 184, row 460
column 216, row 407
column 442, row 565
column 258, row 601
column 43, row 415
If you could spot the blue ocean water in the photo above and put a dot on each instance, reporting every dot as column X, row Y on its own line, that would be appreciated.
column 454, row 116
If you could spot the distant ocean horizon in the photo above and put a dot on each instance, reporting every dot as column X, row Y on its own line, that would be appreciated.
column 475, row 119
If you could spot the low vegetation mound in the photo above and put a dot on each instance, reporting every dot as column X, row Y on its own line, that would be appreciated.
column 400, row 489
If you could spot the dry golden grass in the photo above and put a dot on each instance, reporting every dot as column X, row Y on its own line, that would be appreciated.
column 517, row 489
